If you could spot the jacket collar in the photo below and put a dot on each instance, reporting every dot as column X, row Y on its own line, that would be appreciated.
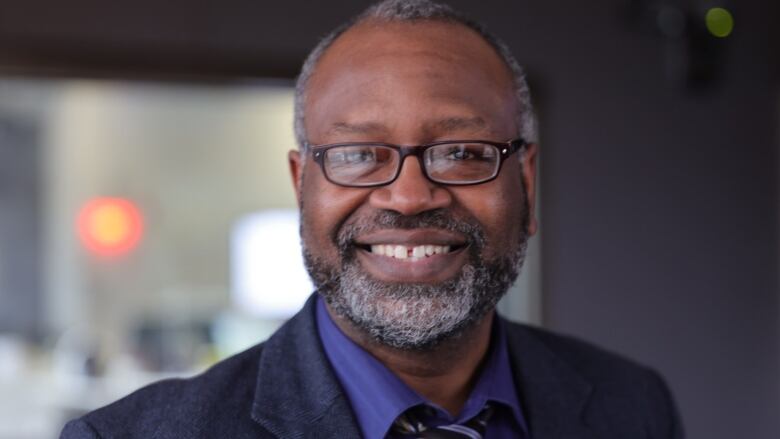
column 297, row 394
column 553, row 394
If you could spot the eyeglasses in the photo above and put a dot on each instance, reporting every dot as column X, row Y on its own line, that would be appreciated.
column 451, row 162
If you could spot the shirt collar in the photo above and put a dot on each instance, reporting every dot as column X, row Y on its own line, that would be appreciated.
column 378, row 396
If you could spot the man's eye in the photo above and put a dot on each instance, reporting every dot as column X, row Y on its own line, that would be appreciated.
column 460, row 154
column 353, row 157
column 468, row 153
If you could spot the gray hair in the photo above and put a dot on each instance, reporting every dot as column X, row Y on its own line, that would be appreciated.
column 409, row 11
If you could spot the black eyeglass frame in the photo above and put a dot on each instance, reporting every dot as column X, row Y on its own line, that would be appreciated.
column 505, row 149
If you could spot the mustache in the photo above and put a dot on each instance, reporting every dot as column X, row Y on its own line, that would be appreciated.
column 430, row 219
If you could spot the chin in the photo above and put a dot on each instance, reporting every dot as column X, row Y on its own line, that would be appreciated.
column 410, row 316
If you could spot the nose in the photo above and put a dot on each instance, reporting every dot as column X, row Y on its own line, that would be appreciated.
column 411, row 193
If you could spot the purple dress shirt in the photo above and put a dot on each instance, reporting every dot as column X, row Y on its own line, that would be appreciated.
column 378, row 396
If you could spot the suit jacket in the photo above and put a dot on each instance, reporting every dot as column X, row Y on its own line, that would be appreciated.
column 285, row 388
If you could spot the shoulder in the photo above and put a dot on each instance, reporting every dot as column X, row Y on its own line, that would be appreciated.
column 181, row 408
column 593, row 362
column 621, row 389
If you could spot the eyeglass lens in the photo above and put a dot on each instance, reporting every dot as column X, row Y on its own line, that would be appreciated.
column 445, row 163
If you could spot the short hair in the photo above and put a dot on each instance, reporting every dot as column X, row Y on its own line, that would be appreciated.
column 412, row 11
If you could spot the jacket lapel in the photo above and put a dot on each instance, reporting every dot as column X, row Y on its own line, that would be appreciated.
column 553, row 394
column 297, row 393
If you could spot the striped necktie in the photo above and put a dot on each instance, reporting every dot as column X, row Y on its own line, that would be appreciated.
column 409, row 425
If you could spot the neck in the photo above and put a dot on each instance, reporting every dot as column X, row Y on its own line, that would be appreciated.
column 445, row 374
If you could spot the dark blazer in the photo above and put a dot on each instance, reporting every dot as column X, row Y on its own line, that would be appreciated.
column 285, row 388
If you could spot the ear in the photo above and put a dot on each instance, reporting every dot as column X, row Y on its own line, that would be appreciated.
column 296, row 172
column 529, row 179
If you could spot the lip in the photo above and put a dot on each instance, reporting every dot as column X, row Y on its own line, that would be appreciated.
column 430, row 269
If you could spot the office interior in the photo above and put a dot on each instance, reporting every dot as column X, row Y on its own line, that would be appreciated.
column 148, row 226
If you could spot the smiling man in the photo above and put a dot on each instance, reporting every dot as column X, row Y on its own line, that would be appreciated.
column 415, row 178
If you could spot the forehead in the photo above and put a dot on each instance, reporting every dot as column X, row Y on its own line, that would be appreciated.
column 382, row 74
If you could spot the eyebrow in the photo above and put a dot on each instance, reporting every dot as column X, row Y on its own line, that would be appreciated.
column 445, row 125
column 357, row 128
column 459, row 123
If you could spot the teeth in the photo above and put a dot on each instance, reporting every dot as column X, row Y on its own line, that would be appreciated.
column 412, row 253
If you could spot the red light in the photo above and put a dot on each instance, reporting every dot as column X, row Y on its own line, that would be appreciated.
column 110, row 226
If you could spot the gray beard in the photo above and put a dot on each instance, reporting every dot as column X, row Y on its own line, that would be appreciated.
column 414, row 316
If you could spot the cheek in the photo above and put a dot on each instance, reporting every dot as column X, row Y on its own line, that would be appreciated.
column 325, row 208
column 499, row 208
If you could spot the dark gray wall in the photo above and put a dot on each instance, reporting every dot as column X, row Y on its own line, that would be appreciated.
column 660, row 202
column 20, row 231
column 660, row 211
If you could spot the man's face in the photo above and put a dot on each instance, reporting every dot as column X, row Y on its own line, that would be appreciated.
column 413, row 262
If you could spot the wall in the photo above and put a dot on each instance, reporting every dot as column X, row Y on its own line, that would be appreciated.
column 19, row 236
column 661, row 202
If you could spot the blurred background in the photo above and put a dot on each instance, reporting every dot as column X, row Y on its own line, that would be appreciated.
column 148, row 225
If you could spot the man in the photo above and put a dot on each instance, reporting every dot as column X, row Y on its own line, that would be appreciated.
column 415, row 178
